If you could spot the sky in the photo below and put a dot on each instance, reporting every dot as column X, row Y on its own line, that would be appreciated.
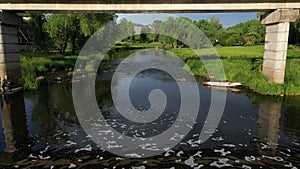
column 227, row 19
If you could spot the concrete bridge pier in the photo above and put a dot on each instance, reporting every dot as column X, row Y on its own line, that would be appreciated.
column 9, row 47
column 276, row 42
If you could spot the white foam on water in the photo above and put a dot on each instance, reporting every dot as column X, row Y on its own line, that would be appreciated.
column 168, row 152
column 191, row 162
column 44, row 158
column 229, row 145
column 246, row 167
column 139, row 167
column 133, row 155
column 198, row 154
column 148, row 146
column 273, row 158
column 69, row 143
column 222, row 151
column 250, row 158
column 290, row 165
column 176, row 135
column 217, row 138
column 179, row 153
column 86, row 148
column 45, row 150
column 72, row 165
column 221, row 163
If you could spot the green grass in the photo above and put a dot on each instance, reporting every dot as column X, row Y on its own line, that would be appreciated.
column 34, row 64
column 241, row 51
column 244, row 64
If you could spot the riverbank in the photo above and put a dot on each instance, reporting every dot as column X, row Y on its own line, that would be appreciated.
column 242, row 64
column 37, row 64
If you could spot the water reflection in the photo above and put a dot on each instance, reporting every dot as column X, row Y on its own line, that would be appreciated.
column 255, row 131
column 14, row 122
column 268, row 123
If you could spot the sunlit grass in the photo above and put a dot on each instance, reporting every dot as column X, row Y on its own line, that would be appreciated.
column 244, row 64
column 34, row 64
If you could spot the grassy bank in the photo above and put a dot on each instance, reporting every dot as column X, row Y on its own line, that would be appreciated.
column 244, row 64
column 34, row 64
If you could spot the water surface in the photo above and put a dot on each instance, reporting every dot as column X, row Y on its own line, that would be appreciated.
column 40, row 128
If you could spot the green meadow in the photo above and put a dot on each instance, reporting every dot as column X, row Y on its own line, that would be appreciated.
column 240, row 63
column 244, row 64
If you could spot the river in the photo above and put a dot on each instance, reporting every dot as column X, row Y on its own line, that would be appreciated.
column 40, row 129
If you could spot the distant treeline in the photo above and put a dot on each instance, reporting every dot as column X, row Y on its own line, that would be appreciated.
column 62, row 31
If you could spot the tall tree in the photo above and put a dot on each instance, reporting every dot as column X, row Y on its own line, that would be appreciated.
column 156, row 28
column 250, row 33
column 126, row 28
column 75, row 32
column 58, row 27
column 294, row 36
column 211, row 28
column 90, row 23
column 36, row 31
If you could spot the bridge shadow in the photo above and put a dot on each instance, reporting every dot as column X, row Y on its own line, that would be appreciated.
column 14, row 124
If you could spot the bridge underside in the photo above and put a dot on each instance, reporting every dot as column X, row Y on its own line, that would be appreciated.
column 277, row 21
column 133, row 6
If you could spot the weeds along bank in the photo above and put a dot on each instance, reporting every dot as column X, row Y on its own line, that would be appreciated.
column 36, row 64
column 242, row 64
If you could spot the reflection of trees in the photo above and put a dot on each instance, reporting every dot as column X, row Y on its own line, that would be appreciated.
column 103, row 93
column 291, row 125
column 53, row 110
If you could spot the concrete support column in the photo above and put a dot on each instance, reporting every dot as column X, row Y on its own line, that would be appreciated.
column 9, row 47
column 276, row 43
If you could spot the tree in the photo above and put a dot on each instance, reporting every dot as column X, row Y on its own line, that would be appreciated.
column 126, row 28
column 90, row 23
column 75, row 32
column 58, row 27
column 156, row 28
column 230, row 37
column 249, row 33
column 36, row 31
column 211, row 28
column 168, row 26
column 294, row 36
column 74, row 28
column 144, row 32
column 250, row 38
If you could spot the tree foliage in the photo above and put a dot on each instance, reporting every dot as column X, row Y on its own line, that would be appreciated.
column 247, row 33
column 58, row 27
column 37, row 32
column 294, row 36
column 65, row 29
column 211, row 28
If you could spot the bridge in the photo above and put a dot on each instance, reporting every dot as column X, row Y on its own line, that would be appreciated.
column 279, row 14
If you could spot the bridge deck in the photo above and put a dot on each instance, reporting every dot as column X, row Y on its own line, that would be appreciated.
column 147, row 5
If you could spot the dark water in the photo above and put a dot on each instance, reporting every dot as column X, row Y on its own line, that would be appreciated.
column 40, row 129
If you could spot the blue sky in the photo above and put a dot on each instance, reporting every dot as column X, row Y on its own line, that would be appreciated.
column 227, row 19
